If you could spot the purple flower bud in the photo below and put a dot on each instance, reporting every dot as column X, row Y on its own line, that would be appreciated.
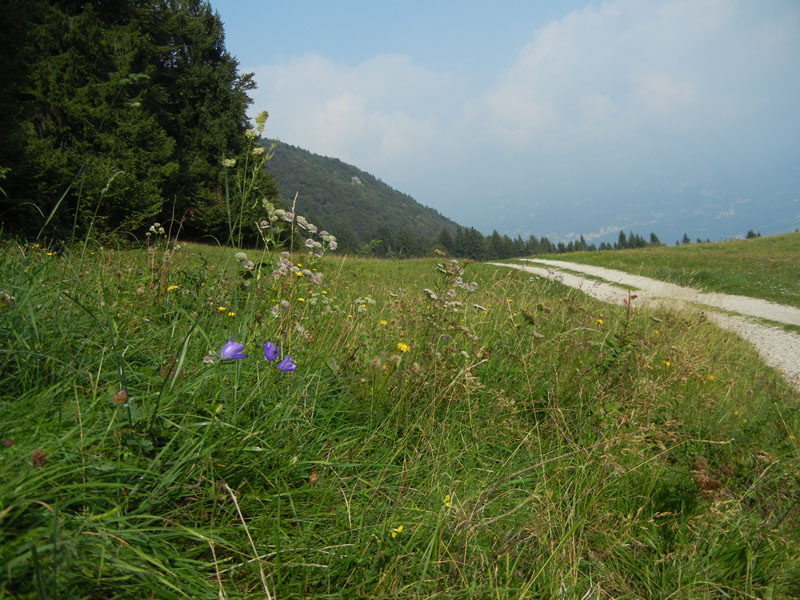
column 271, row 351
column 286, row 365
column 231, row 350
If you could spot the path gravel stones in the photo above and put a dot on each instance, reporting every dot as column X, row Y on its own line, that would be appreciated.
column 779, row 348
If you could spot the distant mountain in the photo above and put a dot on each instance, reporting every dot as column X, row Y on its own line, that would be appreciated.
column 348, row 202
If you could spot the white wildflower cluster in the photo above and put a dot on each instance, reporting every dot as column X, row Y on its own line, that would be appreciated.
column 286, row 266
column 244, row 262
column 362, row 303
column 317, row 241
column 156, row 229
column 452, row 272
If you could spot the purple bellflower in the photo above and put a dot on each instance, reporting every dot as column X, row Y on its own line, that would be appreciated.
column 231, row 350
column 286, row 365
column 271, row 351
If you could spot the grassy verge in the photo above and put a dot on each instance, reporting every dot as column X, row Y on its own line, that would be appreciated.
column 516, row 440
column 767, row 267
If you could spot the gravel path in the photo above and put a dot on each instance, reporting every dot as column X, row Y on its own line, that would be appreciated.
column 778, row 348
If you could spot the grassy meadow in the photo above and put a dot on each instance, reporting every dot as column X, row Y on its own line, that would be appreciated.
column 762, row 267
column 437, row 439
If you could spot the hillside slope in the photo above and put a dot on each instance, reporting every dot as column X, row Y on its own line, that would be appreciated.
column 347, row 201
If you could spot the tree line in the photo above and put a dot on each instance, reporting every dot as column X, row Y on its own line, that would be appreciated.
column 116, row 114
column 470, row 243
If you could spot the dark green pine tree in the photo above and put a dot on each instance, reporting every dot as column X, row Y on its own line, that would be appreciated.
column 84, row 129
column 200, row 100
column 126, row 109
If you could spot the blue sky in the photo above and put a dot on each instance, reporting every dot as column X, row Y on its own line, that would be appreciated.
column 545, row 118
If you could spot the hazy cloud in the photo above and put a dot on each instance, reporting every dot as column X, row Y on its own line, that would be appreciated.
column 625, row 99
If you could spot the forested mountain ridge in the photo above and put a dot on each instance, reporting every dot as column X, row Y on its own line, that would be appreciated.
column 352, row 204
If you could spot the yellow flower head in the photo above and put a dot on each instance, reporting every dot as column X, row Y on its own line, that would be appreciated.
column 397, row 531
column 446, row 500
column 231, row 314
column 383, row 322
column 403, row 347
column 299, row 273
column 668, row 363
column 173, row 287
column 301, row 299
column 600, row 321
column 222, row 308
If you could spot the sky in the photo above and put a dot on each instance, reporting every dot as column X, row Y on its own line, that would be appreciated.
column 534, row 117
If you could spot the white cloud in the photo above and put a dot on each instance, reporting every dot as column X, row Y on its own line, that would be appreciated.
column 625, row 98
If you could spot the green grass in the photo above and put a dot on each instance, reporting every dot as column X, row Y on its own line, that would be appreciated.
column 765, row 267
column 546, row 447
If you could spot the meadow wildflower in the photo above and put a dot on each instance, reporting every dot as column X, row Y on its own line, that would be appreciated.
column 286, row 365
column 271, row 351
column 403, row 347
column 232, row 351
column 599, row 321
column 231, row 314
column 383, row 322
column 397, row 531
column 446, row 500
column 173, row 287
column 222, row 308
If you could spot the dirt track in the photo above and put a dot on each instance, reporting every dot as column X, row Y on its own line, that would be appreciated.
column 779, row 348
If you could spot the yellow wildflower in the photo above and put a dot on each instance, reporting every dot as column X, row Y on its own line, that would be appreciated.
column 600, row 321
column 173, row 287
column 299, row 273
column 403, row 347
column 666, row 362
column 301, row 299
column 397, row 531
column 231, row 314
column 383, row 322
column 222, row 308
column 446, row 500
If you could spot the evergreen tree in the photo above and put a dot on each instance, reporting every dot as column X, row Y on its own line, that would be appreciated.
column 445, row 240
column 654, row 241
column 532, row 245
column 123, row 107
column 546, row 246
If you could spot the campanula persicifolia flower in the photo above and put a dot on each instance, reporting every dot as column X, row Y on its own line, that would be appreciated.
column 231, row 350
column 286, row 365
column 271, row 351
